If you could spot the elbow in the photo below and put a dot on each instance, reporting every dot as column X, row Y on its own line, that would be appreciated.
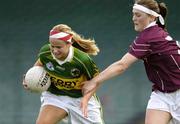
column 121, row 67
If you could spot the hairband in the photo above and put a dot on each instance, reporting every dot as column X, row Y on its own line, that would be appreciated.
column 149, row 11
column 60, row 36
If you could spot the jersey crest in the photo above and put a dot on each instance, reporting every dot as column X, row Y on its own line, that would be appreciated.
column 75, row 72
column 50, row 66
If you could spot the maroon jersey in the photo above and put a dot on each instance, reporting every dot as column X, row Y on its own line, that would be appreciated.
column 161, row 56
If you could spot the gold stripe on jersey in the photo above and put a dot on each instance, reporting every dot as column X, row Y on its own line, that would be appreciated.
column 84, row 67
column 67, row 84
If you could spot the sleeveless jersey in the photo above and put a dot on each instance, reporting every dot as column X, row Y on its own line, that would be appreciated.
column 66, row 79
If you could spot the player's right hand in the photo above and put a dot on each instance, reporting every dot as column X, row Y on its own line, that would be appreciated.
column 88, row 90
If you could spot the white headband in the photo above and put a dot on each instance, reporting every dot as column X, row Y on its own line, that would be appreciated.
column 148, row 11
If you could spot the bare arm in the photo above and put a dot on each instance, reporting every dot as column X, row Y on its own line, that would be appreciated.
column 113, row 70
column 38, row 63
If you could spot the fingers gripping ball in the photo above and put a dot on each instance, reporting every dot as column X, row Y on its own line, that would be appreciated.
column 37, row 79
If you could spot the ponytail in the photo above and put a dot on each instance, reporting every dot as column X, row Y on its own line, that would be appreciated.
column 163, row 11
column 86, row 45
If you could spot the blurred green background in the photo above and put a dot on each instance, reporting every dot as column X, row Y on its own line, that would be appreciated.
column 24, row 28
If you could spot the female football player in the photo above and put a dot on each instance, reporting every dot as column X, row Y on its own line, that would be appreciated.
column 161, row 56
column 67, row 62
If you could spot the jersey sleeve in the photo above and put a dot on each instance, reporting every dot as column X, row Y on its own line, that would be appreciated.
column 44, row 49
column 90, row 68
column 88, row 65
column 140, row 48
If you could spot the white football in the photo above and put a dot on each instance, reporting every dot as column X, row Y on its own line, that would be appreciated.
column 37, row 79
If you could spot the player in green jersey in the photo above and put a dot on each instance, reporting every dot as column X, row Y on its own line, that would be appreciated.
column 67, row 62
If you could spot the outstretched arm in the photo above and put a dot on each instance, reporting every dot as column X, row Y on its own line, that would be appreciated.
column 117, row 68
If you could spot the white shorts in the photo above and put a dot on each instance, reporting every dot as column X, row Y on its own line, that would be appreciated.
column 169, row 102
column 72, row 107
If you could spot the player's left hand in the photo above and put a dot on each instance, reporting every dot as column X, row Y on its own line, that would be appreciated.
column 88, row 90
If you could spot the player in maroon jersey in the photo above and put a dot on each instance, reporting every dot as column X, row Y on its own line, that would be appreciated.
column 161, row 56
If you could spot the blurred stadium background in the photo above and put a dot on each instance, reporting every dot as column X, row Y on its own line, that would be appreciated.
column 24, row 28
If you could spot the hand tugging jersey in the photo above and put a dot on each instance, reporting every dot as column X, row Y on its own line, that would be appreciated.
column 161, row 56
column 66, row 78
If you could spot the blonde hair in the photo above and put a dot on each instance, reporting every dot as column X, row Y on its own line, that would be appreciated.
column 87, row 45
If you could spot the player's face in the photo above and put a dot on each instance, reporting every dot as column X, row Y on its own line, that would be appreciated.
column 60, row 49
column 140, row 20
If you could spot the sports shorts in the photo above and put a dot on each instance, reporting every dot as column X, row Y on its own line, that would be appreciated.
column 72, row 107
column 169, row 102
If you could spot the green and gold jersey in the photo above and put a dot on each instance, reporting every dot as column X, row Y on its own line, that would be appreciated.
column 66, row 79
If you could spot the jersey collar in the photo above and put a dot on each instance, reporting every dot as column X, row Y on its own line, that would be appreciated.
column 151, row 24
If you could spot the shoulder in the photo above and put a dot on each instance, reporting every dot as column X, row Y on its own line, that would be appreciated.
column 86, row 62
column 152, row 33
column 45, row 49
column 81, row 56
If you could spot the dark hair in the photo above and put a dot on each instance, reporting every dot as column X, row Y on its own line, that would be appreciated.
column 163, row 11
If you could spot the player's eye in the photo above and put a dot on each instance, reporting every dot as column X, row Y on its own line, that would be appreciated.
column 58, row 47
